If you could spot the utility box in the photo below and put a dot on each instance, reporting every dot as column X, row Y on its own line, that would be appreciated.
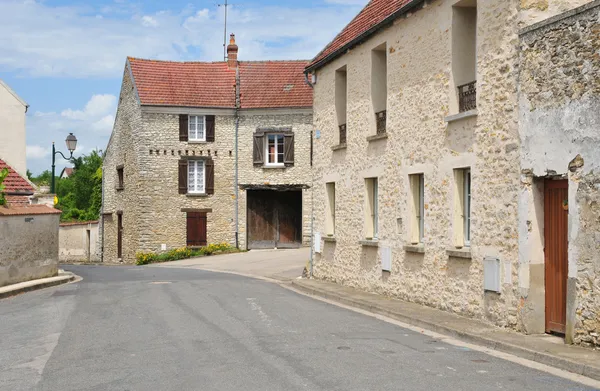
column 491, row 274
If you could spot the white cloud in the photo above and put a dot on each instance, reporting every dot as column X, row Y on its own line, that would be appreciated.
column 37, row 152
column 97, row 106
column 70, row 41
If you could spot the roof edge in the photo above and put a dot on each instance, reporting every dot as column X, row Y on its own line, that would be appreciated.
column 362, row 37
column 13, row 93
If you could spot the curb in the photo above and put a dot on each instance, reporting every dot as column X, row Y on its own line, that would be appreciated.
column 33, row 285
column 539, row 357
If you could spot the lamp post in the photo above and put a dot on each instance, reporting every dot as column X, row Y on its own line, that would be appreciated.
column 71, row 145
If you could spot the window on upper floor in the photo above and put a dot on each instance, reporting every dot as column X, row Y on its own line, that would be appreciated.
column 371, row 208
column 330, row 209
column 379, row 86
column 196, row 176
column 196, row 128
column 273, row 149
column 341, row 102
column 120, row 178
column 464, row 55
column 417, row 208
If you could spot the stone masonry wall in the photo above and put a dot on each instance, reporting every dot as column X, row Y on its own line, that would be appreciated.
column 122, row 150
column 560, row 131
column 420, row 141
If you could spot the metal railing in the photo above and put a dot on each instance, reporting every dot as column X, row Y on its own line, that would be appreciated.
column 342, row 134
column 381, row 121
column 467, row 96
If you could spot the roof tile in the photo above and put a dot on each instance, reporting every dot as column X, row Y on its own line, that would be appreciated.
column 15, row 183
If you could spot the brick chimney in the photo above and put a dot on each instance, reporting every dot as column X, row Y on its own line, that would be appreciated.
column 232, row 53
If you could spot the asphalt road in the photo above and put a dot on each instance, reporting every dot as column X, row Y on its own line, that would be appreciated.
column 137, row 328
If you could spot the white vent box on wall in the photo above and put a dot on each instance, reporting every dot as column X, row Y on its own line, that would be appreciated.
column 386, row 259
column 317, row 243
column 491, row 274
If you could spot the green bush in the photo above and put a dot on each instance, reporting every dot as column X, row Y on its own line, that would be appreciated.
column 146, row 258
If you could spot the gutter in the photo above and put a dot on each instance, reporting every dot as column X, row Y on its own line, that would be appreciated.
column 366, row 35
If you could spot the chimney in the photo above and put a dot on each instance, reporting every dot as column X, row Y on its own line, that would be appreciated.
column 232, row 53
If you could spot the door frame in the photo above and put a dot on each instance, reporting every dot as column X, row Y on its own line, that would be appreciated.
column 119, row 235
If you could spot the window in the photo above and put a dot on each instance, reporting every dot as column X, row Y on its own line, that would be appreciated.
column 120, row 178
column 464, row 55
column 462, row 207
column 196, row 177
column 330, row 209
column 196, row 128
column 371, row 208
column 274, row 150
column 417, row 226
column 341, row 92
column 379, row 86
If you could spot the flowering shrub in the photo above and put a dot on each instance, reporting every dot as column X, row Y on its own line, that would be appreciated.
column 145, row 258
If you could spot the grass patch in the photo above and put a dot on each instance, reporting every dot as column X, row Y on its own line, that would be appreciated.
column 146, row 258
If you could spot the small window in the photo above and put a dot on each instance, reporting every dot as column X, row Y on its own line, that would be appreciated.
column 330, row 212
column 417, row 188
column 341, row 95
column 196, row 177
column 274, row 150
column 120, row 178
column 379, row 86
column 196, row 128
column 462, row 207
column 371, row 208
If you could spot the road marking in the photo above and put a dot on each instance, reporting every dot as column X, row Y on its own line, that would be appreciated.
column 257, row 308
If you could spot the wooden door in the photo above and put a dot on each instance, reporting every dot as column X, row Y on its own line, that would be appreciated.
column 262, row 219
column 196, row 229
column 556, row 254
column 120, row 235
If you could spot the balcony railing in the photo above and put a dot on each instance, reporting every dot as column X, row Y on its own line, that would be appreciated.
column 342, row 134
column 381, row 121
column 467, row 97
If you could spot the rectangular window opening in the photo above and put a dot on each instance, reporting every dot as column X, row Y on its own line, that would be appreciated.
column 120, row 178
column 379, row 86
column 372, row 208
column 417, row 187
column 330, row 212
column 464, row 54
column 467, row 207
column 462, row 207
column 197, row 128
column 196, row 177
column 275, row 150
column 341, row 102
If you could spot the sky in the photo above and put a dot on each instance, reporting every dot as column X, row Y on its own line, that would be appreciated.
column 66, row 58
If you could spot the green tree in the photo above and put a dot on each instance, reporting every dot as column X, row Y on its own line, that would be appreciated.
column 3, row 175
column 80, row 195
column 41, row 180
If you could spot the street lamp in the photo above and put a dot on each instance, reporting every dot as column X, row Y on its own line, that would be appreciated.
column 71, row 146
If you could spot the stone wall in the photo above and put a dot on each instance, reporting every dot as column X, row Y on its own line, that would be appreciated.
column 78, row 242
column 420, row 141
column 153, row 210
column 559, row 104
column 29, row 247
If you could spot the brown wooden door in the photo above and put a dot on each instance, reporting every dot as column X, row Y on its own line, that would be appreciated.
column 120, row 235
column 556, row 254
column 196, row 229
column 274, row 219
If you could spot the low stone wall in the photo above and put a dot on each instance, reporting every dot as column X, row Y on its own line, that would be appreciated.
column 78, row 242
column 28, row 243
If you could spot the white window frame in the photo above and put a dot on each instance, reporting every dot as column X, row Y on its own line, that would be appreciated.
column 467, row 206
column 193, row 186
column 277, row 151
column 330, row 206
column 194, row 137
column 375, row 208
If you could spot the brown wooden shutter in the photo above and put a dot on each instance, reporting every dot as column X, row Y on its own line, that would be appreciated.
column 210, row 176
column 196, row 229
column 183, row 127
column 183, row 177
column 288, row 149
column 259, row 149
column 210, row 128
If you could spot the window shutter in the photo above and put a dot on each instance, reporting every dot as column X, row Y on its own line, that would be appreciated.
column 209, row 165
column 210, row 128
column 183, row 127
column 259, row 148
column 183, row 177
column 288, row 149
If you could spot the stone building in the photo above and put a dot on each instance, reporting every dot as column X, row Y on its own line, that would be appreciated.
column 208, row 153
column 418, row 173
column 12, row 123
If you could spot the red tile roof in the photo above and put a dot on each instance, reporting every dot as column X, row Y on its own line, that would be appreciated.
column 28, row 210
column 15, row 183
column 374, row 13
column 269, row 84
column 274, row 84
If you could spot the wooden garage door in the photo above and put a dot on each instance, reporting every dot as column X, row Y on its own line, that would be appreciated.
column 556, row 254
column 274, row 219
column 196, row 229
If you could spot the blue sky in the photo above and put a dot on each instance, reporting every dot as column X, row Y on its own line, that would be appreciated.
column 65, row 58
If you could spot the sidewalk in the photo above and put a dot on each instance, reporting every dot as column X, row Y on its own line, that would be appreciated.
column 22, row 287
column 539, row 348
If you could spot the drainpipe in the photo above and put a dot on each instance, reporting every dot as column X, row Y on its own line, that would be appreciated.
column 312, row 196
column 101, row 219
column 236, row 185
